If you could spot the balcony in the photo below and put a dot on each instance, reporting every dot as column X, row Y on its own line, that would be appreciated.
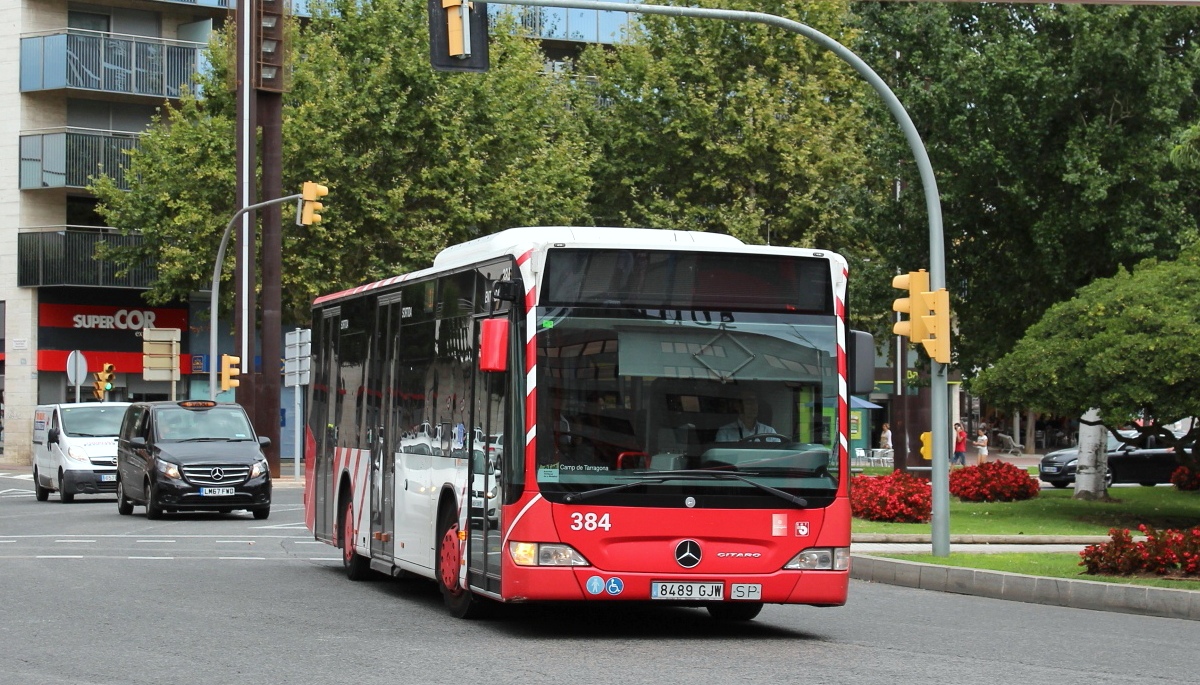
column 66, row 255
column 108, row 62
column 68, row 157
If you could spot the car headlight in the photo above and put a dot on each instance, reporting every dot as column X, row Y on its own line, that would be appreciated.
column 1070, row 463
column 78, row 454
column 821, row 559
column 545, row 554
column 259, row 468
column 168, row 469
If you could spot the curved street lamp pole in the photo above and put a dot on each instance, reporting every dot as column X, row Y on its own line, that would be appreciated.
column 939, row 409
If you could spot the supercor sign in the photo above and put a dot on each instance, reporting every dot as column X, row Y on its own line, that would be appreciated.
column 124, row 319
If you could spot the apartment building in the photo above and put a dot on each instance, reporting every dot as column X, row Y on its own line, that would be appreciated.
column 78, row 82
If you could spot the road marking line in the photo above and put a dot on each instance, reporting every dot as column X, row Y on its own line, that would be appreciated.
column 324, row 559
column 240, row 542
column 243, row 558
column 310, row 542
column 151, row 557
column 72, row 541
column 156, row 541
column 59, row 556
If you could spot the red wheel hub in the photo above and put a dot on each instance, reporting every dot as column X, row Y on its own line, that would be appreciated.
column 451, row 556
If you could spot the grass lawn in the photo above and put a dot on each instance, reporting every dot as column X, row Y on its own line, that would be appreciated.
column 1052, row 565
column 1053, row 512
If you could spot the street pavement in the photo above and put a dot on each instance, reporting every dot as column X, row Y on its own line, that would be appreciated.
column 865, row 565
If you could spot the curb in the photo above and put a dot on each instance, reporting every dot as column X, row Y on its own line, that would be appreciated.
column 1063, row 592
column 919, row 538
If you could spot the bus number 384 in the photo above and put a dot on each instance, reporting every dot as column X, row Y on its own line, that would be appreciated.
column 589, row 521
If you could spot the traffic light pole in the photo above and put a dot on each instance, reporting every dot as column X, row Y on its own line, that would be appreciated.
column 939, row 385
column 216, row 287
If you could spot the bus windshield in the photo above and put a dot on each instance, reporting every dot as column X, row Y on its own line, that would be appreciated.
column 662, row 399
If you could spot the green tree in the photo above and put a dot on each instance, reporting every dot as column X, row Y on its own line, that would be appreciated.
column 729, row 127
column 1125, row 345
column 1049, row 128
column 415, row 160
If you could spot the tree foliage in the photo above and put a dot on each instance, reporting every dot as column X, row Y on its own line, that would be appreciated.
column 415, row 160
column 1049, row 129
column 1125, row 345
column 727, row 127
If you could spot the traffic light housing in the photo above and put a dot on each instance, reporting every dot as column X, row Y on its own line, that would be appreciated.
column 916, row 283
column 104, row 381
column 229, row 371
column 458, row 35
column 310, row 212
column 937, row 325
column 927, row 446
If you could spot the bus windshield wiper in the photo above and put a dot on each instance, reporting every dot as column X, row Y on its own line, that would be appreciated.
column 686, row 474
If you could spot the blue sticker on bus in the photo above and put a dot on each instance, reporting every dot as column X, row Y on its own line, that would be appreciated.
column 595, row 585
column 615, row 586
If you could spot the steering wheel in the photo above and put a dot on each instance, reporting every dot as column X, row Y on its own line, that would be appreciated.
column 765, row 436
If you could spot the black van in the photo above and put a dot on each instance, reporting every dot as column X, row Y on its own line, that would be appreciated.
column 194, row 455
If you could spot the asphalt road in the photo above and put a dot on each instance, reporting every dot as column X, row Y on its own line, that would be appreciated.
column 93, row 597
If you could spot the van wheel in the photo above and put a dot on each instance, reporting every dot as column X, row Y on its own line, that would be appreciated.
column 64, row 496
column 154, row 510
column 42, row 494
column 357, row 567
column 124, row 506
column 734, row 612
column 461, row 602
column 262, row 512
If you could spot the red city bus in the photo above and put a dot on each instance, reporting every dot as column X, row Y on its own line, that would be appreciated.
column 591, row 414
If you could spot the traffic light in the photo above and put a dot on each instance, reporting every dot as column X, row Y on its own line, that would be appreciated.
column 917, row 284
column 310, row 213
column 229, row 369
column 927, row 446
column 104, row 381
column 458, row 35
column 937, row 325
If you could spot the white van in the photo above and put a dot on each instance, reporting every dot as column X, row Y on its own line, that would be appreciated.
column 75, row 448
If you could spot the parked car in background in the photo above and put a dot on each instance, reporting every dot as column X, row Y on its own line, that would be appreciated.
column 191, row 455
column 1149, row 465
column 75, row 448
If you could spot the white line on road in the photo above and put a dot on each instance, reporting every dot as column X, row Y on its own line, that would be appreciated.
column 59, row 556
column 151, row 557
column 243, row 558
column 72, row 541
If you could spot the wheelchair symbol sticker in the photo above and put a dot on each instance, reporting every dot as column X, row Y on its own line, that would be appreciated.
column 595, row 585
column 615, row 586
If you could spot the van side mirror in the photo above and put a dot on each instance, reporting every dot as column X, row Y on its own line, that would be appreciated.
column 52, row 436
column 861, row 354
column 264, row 441
column 493, row 345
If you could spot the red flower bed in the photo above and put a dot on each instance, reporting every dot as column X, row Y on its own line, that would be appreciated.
column 1169, row 552
column 897, row 497
column 995, row 481
column 1185, row 478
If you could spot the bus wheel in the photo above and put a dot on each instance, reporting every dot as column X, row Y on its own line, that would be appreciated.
column 357, row 567
column 741, row 611
column 460, row 601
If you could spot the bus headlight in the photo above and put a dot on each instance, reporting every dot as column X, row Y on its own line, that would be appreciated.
column 820, row 559
column 545, row 554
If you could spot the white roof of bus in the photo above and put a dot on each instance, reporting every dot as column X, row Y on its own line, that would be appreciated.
column 518, row 239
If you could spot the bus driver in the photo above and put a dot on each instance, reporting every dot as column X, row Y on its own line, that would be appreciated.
column 747, row 423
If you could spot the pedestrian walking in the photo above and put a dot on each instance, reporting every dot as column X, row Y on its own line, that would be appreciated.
column 885, row 438
column 981, row 444
column 960, row 446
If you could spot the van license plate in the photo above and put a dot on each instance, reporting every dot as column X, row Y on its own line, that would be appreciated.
column 209, row 492
column 108, row 477
column 665, row 589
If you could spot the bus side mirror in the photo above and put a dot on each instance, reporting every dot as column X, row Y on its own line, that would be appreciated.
column 861, row 363
column 493, row 345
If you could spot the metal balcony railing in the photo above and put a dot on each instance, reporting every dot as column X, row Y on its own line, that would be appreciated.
column 66, row 255
column 108, row 62
column 68, row 157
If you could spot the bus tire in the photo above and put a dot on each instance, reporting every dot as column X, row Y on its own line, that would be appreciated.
column 357, row 566
column 741, row 611
column 461, row 602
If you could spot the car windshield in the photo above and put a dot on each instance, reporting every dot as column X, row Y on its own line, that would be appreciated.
column 214, row 423
column 90, row 422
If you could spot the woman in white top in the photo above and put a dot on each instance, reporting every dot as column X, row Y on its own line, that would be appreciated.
column 885, row 437
column 981, row 443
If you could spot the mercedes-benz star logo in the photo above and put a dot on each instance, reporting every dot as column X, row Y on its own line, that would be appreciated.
column 217, row 473
column 687, row 553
